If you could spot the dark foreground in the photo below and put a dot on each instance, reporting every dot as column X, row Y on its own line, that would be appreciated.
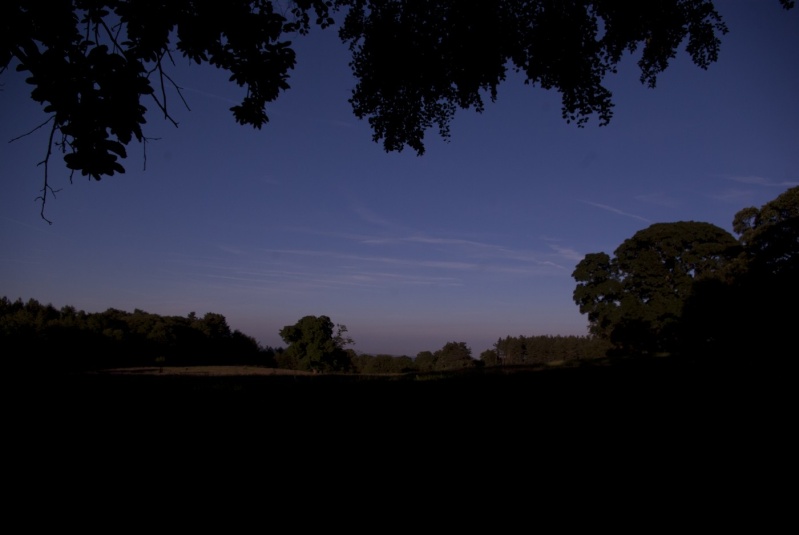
column 651, row 392
column 669, row 434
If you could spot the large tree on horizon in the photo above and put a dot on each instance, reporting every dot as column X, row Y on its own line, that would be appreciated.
column 316, row 344
column 691, row 287
column 636, row 298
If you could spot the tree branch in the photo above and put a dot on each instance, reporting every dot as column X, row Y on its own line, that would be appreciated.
column 34, row 130
column 144, row 149
column 164, row 76
column 46, row 187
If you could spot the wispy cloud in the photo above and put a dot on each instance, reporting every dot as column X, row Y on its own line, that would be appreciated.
column 389, row 259
column 371, row 217
column 617, row 211
column 497, row 253
column 323, row 270
column 413, row 262
column 735, row 196
column 762, row 181
column 444, row 241
column 749, row 189
column 566, row 252
column 478, row 251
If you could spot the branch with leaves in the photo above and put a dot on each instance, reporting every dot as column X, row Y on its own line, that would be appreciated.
column 416, row 63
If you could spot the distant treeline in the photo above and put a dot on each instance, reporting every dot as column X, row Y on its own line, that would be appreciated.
column 527, row 350
column 509, row 351
column 40, row 337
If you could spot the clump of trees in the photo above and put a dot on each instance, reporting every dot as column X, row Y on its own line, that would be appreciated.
column 42, row 337
column 536, row 350
column 317, row 344
column 314, row 346
column 692, row 288
column 453, row 356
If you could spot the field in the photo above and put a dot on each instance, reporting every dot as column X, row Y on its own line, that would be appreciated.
column 203, row 371
column 637, row 423
column 600, row 389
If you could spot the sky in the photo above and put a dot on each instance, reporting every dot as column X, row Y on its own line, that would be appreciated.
column 473, row 241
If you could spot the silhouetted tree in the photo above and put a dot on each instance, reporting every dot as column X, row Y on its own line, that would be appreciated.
column 748, row 312
column 489, row 357
column 770, row 236
column 767, row 283
column 453, row 356
column 425, row 361
column 315, row 344
column 636, row 299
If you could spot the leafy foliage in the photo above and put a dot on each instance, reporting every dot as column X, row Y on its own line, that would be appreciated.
column 67, row 339
column 691, row 287
column 314, row 346
column 770, row 235
column 536, row 350
column 94, row 64
column 766, row 285
column 454, row 356
column 635, row 299
column 418, row 62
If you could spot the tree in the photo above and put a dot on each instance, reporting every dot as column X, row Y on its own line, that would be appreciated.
column 316, row 344
column 636, row 299
column 489, row 357
column 766, row 285
column 511, row 350
column 94, row 65
column 453, row 356
column 425, row 361
column 770, row 236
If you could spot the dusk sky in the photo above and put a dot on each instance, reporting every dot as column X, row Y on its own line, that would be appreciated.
column 475, row 240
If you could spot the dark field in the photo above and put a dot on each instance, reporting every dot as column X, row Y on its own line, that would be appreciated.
column 625, row 428
column 643, row 390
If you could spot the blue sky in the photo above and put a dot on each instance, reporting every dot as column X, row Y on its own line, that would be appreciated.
column 473, row 241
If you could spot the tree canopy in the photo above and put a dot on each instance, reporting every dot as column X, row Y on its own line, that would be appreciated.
column 636, row 298
column 771, row 235
column 95, row 66
column 766, row 283
column 691, row 286
column 39, row 336
column 316, row 344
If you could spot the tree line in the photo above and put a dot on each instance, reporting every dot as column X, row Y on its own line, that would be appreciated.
column 41, row 337
column 686, row 288
column 534, row 350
